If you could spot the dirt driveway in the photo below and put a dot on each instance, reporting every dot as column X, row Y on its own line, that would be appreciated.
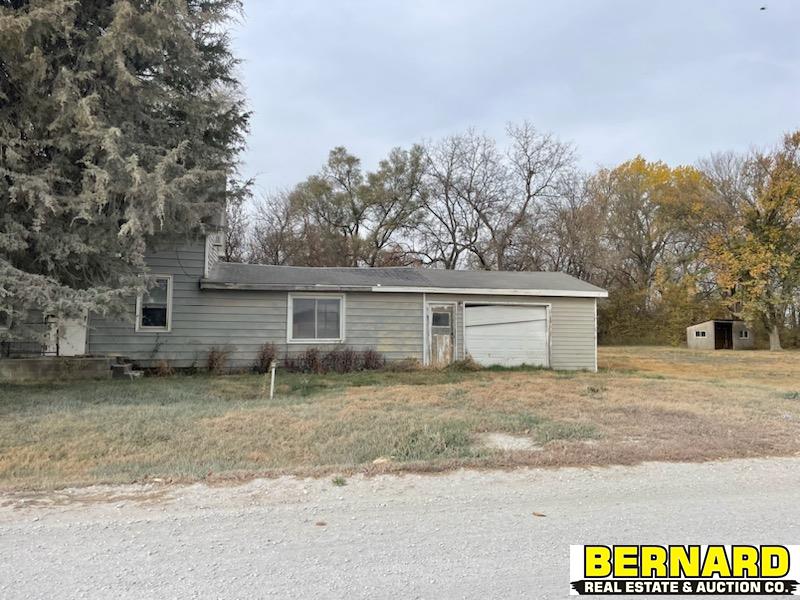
column 466, row 534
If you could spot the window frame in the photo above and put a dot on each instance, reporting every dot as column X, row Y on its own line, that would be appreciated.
column 700, row 333
column 744, row 334
column 140, row 303
column 449, row 313
column 290, row 318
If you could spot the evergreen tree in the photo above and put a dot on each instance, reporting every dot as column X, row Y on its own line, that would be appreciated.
column 120, row 121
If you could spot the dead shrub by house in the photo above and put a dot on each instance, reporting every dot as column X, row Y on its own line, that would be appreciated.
column 292, row 364
column 371, row 360
column 217, row 360
column 341, row 360
column 163, row 369
column 266, row 354
column 310, row 361
column 405, row 365
column 465, row 364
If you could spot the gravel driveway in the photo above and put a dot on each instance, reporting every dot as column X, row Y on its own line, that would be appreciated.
column 468, row 534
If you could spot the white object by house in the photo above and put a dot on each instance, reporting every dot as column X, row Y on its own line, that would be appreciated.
column 507, row 335
column 66, row 337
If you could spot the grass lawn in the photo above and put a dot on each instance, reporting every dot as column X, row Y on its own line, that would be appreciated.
column 644, row 404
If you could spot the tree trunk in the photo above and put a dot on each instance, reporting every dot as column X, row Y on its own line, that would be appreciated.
column 774, row 338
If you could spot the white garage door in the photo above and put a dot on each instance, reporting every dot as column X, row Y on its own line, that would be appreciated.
column 506, row 335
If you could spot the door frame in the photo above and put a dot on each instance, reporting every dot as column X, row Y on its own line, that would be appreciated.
column 726, row 329
column 547, row 306
column 427, row 324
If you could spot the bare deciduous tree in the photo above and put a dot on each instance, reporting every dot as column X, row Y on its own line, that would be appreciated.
column 236, row 231
column 274, row 238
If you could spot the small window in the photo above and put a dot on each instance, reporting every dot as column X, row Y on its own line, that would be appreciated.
column 316, row 319
column 440, row 319
column 154, row 308
column 744, row 334
column 5, row 320
column 699, row 334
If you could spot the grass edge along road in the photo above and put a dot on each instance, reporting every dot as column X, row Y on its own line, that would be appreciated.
column 645, row 404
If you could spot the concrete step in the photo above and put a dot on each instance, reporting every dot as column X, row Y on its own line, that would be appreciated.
column 123, row 371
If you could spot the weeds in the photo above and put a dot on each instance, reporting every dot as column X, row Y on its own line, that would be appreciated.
column 339, row 481
column 183, row 428
column 372, row 360
column 339, row 360
column 265, row 357
column 217, row 360
column 163, row 369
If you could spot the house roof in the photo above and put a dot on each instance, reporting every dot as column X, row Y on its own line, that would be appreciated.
column 397, row 279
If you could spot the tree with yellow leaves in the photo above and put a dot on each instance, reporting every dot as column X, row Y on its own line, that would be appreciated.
column 756, row 253
column 650, row 208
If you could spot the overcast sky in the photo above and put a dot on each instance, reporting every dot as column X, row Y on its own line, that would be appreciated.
column 671, row 80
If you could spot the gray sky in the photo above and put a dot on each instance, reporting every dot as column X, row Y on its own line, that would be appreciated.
column 671, row 80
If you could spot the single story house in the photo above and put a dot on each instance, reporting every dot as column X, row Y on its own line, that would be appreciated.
column 433, row 315
column 719, row 334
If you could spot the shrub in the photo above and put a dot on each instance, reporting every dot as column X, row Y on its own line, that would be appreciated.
column 217, row 359
column 466, row 364
column 341, row 360
column 292, row 364
column 312, row 361
column 163, row 369
column 266, row 354
column 406, row 365
column 309, row 361
column 372, row 359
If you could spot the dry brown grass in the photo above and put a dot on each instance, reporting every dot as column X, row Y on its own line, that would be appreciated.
column 644, row 404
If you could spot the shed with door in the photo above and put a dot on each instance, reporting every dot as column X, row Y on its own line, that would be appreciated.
column 719, row 334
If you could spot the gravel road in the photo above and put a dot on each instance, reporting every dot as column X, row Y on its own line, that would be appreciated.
column 469, row 534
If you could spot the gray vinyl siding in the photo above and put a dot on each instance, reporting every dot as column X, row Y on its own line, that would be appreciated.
column 212, row 247
column 242, row 321
column 572, row 326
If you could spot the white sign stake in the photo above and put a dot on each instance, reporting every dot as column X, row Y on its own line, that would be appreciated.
column 272, row 380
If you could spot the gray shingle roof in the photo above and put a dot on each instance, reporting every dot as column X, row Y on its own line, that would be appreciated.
column 270, row 277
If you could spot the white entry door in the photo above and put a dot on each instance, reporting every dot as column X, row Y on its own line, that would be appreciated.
column 507, row 335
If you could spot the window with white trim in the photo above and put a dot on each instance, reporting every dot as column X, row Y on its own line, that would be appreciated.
column 699, row 334
column 154, row 308
column 315, row 319
column 744, row 334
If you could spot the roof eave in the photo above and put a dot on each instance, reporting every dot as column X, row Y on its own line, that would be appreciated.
column 599, row 293
column 207, row 284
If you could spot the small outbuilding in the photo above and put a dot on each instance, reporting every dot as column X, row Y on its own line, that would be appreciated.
column 719, row 334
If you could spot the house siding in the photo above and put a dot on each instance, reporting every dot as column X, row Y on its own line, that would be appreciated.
column 572, row 326
column 241, row 321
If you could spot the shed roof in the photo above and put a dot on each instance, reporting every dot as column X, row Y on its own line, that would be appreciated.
column 397, row 279
column 717, row 321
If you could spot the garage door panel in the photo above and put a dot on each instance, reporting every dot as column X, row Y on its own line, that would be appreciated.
column 491, row 315
column 507, row 335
